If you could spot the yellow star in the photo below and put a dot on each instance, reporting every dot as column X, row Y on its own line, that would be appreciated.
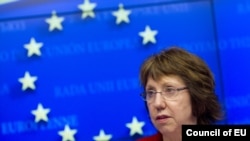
column 148, row 35
column 121, row 15
column 102, row 136
column 40, row 113
column 33, row 47
column 67, row 134
column 6, row 1
column 87, row 9
column 135, row 126
column 55, row 22
column 28, row 81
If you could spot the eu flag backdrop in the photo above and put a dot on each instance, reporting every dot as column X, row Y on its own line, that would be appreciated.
column 88, row 72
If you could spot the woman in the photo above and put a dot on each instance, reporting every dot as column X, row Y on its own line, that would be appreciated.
column 179, row 89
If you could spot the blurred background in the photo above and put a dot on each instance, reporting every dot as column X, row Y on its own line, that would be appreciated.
column 88, row 72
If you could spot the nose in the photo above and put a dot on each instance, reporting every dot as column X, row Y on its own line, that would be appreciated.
column 159, row 101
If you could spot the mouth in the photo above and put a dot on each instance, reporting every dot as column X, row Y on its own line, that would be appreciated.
column 162, row 118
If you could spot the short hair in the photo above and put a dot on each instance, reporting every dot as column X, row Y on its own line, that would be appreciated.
column 196, row 75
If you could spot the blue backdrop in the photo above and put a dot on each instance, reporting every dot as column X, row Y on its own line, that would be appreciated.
column 88, row 72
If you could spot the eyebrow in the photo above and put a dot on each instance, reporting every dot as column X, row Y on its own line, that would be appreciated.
column 149, row 87
column 166, row 84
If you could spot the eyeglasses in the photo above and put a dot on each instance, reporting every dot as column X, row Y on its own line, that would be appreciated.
column 169, row 93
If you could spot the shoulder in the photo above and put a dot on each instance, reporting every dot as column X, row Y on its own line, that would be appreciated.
column 155, row 137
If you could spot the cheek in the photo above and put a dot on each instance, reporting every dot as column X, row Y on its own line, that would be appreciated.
column 182, row 111
column 151, row 110
column 185, row 111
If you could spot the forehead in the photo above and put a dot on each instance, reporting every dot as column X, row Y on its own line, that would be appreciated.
column 172, row 80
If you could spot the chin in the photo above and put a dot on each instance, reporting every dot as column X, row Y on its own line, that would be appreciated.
column 169, row 129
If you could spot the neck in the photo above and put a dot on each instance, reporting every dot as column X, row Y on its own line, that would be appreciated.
column 174, row 136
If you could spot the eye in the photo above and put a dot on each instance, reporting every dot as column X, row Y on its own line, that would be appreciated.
column 169, row 90
column 150, row 93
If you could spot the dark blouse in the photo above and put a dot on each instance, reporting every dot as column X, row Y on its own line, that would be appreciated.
column 155, row 137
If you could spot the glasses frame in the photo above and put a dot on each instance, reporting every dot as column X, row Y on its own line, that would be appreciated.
column 143, row 95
